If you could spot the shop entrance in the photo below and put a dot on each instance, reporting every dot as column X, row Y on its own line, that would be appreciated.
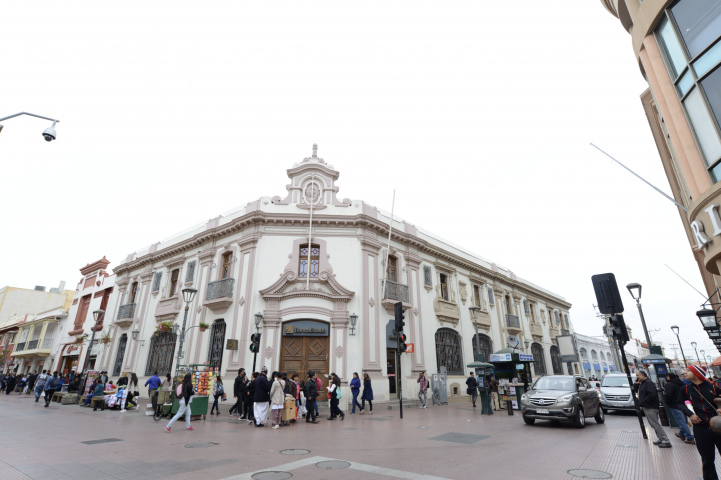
column 304, row 347
column 68, row 365
column 391, row 371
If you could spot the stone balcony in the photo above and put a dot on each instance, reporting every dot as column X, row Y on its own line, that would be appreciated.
column 125, row 315
column 554, row 332
column 513, row 324
column 167, row 309
column 484, row 320
column 393, row 293
column 219, row 295
column 537, row 332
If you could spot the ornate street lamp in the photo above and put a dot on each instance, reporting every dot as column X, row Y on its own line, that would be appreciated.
column 635, row 290
column 188, row 296
column 353, row 320
column 708, row 319
column 98, row 317
column 258, row 320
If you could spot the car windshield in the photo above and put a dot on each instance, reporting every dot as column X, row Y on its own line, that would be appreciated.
column 555, row 383
column 615, row 382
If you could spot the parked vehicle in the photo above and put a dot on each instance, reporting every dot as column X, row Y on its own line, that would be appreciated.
column 562, row 398
column 616, row 393
column 595, row 384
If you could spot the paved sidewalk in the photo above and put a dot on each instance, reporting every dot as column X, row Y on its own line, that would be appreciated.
column 450, row 442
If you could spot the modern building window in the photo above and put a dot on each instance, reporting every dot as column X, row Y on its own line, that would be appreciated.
column 482, row 344
column 699, row 22
column 448, row 351
column 133, row 292
column 539, row 361
column 392, row 269
column 703, row 126
column 314, row 261
column 174, row 281
column 227, row 263
column 444, row 285
column 712, row 89
column 669, row 43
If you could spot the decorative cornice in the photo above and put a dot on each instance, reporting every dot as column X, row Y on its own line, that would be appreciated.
column 98, row 265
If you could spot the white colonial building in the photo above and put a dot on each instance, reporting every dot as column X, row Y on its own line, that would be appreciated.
column 256, row 259
column 595, row 356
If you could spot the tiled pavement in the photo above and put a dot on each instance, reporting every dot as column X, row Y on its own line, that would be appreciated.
column 450, row 442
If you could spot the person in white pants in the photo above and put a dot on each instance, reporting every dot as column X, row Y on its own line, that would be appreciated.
column 185, row 401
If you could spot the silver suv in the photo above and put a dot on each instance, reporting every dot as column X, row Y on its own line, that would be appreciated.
column 562, row 397
column 616, row 393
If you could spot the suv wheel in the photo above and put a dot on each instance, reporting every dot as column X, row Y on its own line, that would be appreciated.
column 529, row 421
column 600, row 416
column 579, row 421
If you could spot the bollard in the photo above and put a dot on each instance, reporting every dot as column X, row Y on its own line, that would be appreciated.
column 509, row 407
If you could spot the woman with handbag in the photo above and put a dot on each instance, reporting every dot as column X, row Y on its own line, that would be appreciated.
column 218, row 391
column 133, row 385
column 335, row 396
column 367, row 395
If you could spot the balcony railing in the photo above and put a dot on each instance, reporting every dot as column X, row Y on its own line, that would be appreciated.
column 20, row 347
column 512, row 321
column 396, row 291
column 220, row 288
column 32, row 344
column 126, row 311
column 47, row 343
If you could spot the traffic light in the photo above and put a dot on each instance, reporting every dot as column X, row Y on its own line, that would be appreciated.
column 618, row 328
column 255, row 342
column 402, row 347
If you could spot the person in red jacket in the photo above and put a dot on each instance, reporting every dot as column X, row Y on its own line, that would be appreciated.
column 700, row 393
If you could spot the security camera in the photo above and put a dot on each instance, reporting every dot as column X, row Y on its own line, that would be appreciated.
column 49, row 134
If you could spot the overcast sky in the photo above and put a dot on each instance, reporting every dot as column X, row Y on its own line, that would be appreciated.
column 479, row 114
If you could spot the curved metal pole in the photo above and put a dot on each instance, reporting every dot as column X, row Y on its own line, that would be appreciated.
column 31, row 114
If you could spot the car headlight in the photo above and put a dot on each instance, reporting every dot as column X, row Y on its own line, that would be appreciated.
column 566, row 399
column 600, row 396
column 524, row 397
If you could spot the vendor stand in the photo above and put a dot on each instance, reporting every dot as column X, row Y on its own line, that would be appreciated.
column 513, row 372
column 202, row 379
column 482, row 369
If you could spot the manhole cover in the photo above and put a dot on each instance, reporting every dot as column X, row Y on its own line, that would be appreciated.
column 589, row 474
column 271, row 476
column 200, row 445
column 332, row 465
column 295, row 451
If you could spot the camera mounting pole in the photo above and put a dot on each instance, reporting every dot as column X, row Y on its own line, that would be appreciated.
column 31, row 114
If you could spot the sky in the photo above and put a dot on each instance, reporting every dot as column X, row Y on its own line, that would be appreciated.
column 479, row 114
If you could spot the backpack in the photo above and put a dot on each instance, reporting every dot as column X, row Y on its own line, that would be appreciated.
column 54, row 382
column 338, row 393
column 179, row 390
column 219, row 390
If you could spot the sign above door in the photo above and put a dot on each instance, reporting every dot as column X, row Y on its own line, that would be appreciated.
column 305, row 328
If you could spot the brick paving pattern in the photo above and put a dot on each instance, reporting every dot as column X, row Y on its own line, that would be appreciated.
column 450, row 442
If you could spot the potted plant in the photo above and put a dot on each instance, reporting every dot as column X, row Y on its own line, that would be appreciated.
column 106, row 338
column 203, row 326
column 165, row 326
column 80, row 338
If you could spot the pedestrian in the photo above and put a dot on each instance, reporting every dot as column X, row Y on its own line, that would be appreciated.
column 367, row 395
column 302, row 411
column 31, row 381
column 294, row 390
column 423, row 389
column 493, row 385
column 261, row 400
column 10, row 384
column 335, row 395
column 250, row 398
column 319, row 386
column 472, row 388
column 311, row 393
column 123, row 380
column 355, row 385
column 648, row 401
column 21, row 384
column 2, row 383
column 238, row 394
column 185, row 393
column 218, row 390
column 671, row 392
column 99, row 390
column 167, row 385
column 74, row 385
column 51, row 386
column 104, row 377
column 277, row 398
column 152, row 383
column 696, row 401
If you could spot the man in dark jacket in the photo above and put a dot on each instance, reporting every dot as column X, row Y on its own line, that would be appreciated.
column 10, row 384
column 51, row 385
column 701, row 394
column 261, row 398
column 31, row 380
column 239, row 393
column 648, row 400
column 673, row 388
column 311, row 393
column 249, row 396
column 472, row 389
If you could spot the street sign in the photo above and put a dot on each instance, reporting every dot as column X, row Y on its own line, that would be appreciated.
column 411, row 348
column 607, row 294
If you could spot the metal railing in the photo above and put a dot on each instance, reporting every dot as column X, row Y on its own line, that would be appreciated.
column 220, row 288
column 20, row 347
column 126, row 311
column 512, row 321
column 47, row 343
column 396, row 291
column 32, row 345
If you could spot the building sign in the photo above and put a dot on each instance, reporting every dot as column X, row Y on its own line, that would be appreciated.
column 231, row 344
column 525, row 357
column 305, row 328
column 500, row 357
column 71, row 350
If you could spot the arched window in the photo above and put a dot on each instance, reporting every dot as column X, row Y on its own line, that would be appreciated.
column 539, row 361
column 120, row 355
column 217, row 339
column 584, row 354
column 603, row 358
column 448, row 351
column 160, row 357
column 556, row 360
column 594, row 355
column 482, row 344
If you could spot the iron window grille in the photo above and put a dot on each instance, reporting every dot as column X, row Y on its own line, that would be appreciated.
column 449, row 352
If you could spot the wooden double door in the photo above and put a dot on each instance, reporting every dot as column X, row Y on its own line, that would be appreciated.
column 301, row 354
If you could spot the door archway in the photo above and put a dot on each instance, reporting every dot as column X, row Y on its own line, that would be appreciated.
column 556, row 360
column 539, row 361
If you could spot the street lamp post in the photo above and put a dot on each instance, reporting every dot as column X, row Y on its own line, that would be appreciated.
column 258, row 319
column 703, row 355
column 694, row 344
column 188, row 296
column 98, row 317
column 49, row 133
column 674, row 329
column 637, row 288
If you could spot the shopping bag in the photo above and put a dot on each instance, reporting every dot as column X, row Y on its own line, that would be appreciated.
column 225, row 397
column 42, row 394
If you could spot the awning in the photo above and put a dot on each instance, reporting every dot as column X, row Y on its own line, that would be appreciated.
column 655, row 359
column 605, row 368
column 587, row 366
column 480, row 365
column 597, row 366
column 610, row 367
